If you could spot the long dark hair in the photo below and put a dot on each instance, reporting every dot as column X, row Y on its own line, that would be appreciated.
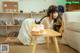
column 52, row 9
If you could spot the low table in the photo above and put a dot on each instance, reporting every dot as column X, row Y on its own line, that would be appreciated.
column 48, row 33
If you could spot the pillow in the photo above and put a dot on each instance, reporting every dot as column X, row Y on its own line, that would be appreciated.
column 75, row 26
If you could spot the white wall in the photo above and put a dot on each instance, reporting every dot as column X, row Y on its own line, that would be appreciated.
column 34, row 5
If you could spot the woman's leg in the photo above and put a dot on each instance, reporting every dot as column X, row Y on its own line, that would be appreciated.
column 11, row 39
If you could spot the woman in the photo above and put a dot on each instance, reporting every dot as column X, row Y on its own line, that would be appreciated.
column 24, row 35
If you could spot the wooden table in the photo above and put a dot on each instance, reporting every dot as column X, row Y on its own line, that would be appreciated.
column 48, row 33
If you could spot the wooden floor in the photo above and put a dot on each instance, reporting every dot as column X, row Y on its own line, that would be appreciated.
column 19, row 48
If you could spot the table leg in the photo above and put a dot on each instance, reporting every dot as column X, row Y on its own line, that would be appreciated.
column 34, row 45
column 47, row 42
column 56, row 45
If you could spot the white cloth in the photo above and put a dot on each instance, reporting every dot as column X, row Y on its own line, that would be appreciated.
column 25, row 30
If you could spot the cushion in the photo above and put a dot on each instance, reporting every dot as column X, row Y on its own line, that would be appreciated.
column 75, row 26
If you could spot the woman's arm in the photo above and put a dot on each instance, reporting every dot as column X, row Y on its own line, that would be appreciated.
column 61, row 30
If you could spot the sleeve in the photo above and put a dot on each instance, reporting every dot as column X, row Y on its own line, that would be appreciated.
column 45, row 22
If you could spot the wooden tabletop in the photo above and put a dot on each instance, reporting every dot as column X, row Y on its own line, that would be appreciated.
column 46, row 32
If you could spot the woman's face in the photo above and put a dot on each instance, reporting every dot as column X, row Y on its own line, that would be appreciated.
column 54, row 15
